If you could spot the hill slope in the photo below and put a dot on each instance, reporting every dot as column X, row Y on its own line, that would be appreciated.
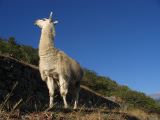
column 30, row 87
column 103, row 85
column 31, row 94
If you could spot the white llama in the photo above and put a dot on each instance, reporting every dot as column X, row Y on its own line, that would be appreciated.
column 56, row 68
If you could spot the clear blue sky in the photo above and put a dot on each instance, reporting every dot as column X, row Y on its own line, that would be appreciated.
column 115, row 38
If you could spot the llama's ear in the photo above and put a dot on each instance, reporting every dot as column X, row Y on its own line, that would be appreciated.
column 55, row 22
column 50, row 16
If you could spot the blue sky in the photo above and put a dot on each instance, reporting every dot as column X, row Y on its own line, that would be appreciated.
column 115, row 38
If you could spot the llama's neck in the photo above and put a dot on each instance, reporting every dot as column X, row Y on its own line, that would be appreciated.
column 46, row 42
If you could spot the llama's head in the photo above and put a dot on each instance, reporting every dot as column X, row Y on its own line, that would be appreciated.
column 47, row 23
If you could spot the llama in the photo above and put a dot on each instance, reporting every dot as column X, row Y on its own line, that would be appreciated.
column 56, row 68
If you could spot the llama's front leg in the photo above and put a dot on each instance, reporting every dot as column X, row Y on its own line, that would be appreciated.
column 63, row 90
column 51, row 87
column 64, row 100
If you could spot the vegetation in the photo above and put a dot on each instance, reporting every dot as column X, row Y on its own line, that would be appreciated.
column 158, row 101
column 21, row 52
column 108, row 87
column 100, row 84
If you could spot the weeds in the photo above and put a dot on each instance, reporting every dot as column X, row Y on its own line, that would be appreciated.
column 5, row 103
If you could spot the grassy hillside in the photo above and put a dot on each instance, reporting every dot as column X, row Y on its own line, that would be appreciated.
column 123, row 94
column 158, row 101
column 100, row 84
column 25, row 53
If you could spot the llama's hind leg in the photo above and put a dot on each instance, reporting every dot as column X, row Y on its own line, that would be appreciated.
column 76, row 94
column 51, row 88
column 63, row 90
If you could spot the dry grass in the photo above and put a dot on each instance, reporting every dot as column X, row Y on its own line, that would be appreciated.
column 67, row 114
column 141, row 115
column 59, row 116
column 6, row 105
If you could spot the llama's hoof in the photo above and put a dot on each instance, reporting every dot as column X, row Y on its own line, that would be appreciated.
column 51, row 105
column 66, row 106
column 75, row 107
